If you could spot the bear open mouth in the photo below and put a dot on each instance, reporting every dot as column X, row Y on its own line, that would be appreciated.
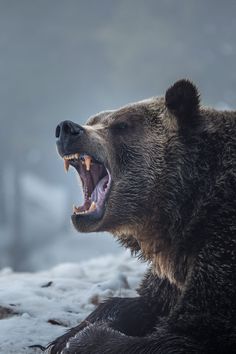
column 96, row 181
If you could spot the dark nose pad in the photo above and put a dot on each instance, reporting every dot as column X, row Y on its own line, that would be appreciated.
column 67, row 128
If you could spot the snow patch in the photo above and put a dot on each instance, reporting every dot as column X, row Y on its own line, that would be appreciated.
column 45, row 304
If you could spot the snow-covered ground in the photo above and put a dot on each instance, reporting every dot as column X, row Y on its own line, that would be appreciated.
column 37, row 307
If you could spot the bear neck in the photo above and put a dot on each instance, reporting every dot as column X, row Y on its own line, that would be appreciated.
column 167, row 260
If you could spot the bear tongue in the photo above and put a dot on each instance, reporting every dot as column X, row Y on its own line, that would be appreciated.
column 97, row 196
column 100, row 190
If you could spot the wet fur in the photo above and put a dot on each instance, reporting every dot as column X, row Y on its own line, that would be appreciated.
column 175, row 173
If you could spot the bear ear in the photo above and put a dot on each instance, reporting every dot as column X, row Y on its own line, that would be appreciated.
column 182, row 99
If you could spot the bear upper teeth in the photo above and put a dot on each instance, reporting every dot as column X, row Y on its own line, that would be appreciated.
column 86, row 160
column 72, row 156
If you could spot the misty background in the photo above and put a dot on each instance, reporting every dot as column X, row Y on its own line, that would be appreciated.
column 70, row 59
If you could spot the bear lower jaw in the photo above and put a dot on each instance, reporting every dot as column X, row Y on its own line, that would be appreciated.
column 89, row 221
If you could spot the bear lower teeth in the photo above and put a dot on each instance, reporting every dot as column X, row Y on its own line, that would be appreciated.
column 77, row 210
column 92, row 206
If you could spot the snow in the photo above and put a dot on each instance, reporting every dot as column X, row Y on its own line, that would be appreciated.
column 64, row 295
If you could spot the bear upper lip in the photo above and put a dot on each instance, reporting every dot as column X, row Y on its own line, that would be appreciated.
column 96, row 181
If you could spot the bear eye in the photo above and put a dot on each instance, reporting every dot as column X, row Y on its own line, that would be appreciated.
column 121, row 126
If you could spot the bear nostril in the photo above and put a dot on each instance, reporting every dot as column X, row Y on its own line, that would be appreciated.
column 58, row 131
column 68, row 128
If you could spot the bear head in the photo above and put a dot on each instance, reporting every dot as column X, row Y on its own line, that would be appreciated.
column 137, row 166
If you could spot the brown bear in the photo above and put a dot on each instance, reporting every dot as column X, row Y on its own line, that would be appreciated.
column 160, row 175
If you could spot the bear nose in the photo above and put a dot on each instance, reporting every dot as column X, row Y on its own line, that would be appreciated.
column 67, row 128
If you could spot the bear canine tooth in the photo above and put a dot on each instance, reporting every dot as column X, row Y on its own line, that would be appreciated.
column 75, row 210
column 92, row 206
column 66, row 165
column 87, row 161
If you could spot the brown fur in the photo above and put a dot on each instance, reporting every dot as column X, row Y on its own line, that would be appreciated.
column 172, row 202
